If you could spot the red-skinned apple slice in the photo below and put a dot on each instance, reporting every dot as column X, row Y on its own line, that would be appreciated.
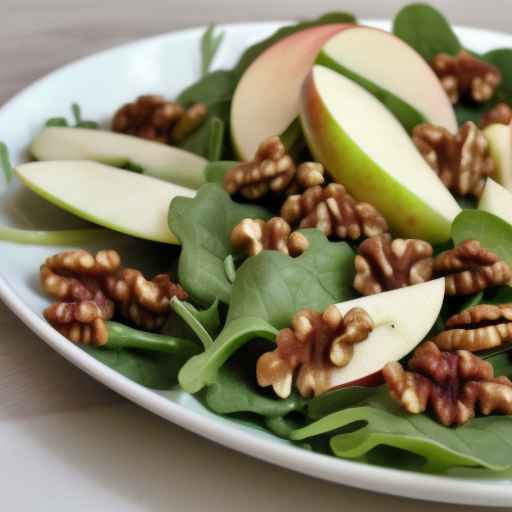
column 366, row 149
column 402, row 319
column 266, row 100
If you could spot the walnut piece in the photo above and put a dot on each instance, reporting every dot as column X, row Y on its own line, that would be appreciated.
column 452, row 385
column 312, row 349
column 470, row 268
column 89, row 289
column 462, row 161
column 385, row 264
column 477, row 328
column 500, row 114
column 464, row 75
column 333, row 211
column 272, row 171
column 251, row 236
column 155, row 118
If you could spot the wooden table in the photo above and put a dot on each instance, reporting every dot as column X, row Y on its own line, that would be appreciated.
column 36, row 37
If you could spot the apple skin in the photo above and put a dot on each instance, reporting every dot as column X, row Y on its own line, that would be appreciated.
column 266, row 100
column 499, row 137
column 408, row 214
column 370, row 381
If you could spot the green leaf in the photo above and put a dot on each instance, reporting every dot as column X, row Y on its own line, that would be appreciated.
column 209, row 318
column 216, row 87
column 151, row 369
column 5, row 162
column 257, row 49
column 210, row 44
column 203, row 226
column 426, row 30
column 189, row 318
column 202, row 369
column 214, row 171
column 273, row 286
column 501, row 362
column 282, row 426
column 216, row 139
column 233, row 391
column 229, row 268
column 60, row 122
column 76, row 112
column 502, row 59
column 483, row 442
column 492, row 232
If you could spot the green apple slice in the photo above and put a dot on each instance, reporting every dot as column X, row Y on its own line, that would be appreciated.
column 157, row 160
column 402, row 319
column 366, row 149
column 394, row 72
column 266, row 100
column 123, row 201
column 499, row 137
column 497, row 200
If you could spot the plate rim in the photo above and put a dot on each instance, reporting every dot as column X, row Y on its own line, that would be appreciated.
column 390, row 481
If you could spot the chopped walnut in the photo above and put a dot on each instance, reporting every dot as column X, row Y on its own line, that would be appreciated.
column 251, row 236
column 315, row 346
column 272, row 171
column 500, row 114
column 386, row 264
column 155, row 118
column 333, row 211
column 145, row 303
column 453, row 385
column 462, row 161
column 464, row 75
column 477, row 328
column 470, row 268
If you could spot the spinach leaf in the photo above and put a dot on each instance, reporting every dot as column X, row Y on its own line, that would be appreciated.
column 234, row 391
column 203, row 226
column 274, row 286
column 481, row 442
column 210, row 44
column 268, row 290
column 501, row 362
column 5, row 162
column 151, row 369
column 492, row 232
column 203, row 369
column 189, row 317
column 256, row 50
column 214, row 171
column 502, row 59
column 426, row 30
column 76, row 111
column 283, row 426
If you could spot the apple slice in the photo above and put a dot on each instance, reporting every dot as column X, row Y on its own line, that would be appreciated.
column 266, row 100
column 402, row 319
column 497, row 200
column 499, row 137
column 119, row 200
column 366, row 149
column 393, row 72
column 157, row 160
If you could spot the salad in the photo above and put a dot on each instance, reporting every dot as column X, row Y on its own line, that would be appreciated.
column 335, row 214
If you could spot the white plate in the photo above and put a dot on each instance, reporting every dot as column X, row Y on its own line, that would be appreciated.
column 165, row 64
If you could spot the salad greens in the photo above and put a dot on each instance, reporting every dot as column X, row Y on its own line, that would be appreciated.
column 76, row 111
column 5, row 162
column 210, row 44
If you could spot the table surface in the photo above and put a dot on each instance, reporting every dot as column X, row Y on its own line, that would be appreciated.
column 78, row 440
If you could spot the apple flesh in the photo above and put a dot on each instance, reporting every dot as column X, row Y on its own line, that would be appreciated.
column 366, row 149
column 156, row 159
column 266, row 100
column 123, row 201
column 497, row 200
column 391, row 70
column 499, row 137
column 402, row 318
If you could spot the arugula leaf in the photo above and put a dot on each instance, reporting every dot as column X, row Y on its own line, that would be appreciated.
column 268, row 290
column 274, row 286
column 5, row 162
column 492, row 232
column 216, row 142
column 210, row 44
column 426, row 30
column 151, row 369
column 481, row 442
column 234, row 392
column 203, row 226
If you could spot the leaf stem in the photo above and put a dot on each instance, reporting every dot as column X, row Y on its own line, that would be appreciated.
column 186, row 315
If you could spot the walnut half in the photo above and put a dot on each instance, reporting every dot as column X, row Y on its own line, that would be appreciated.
column 309, row 351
